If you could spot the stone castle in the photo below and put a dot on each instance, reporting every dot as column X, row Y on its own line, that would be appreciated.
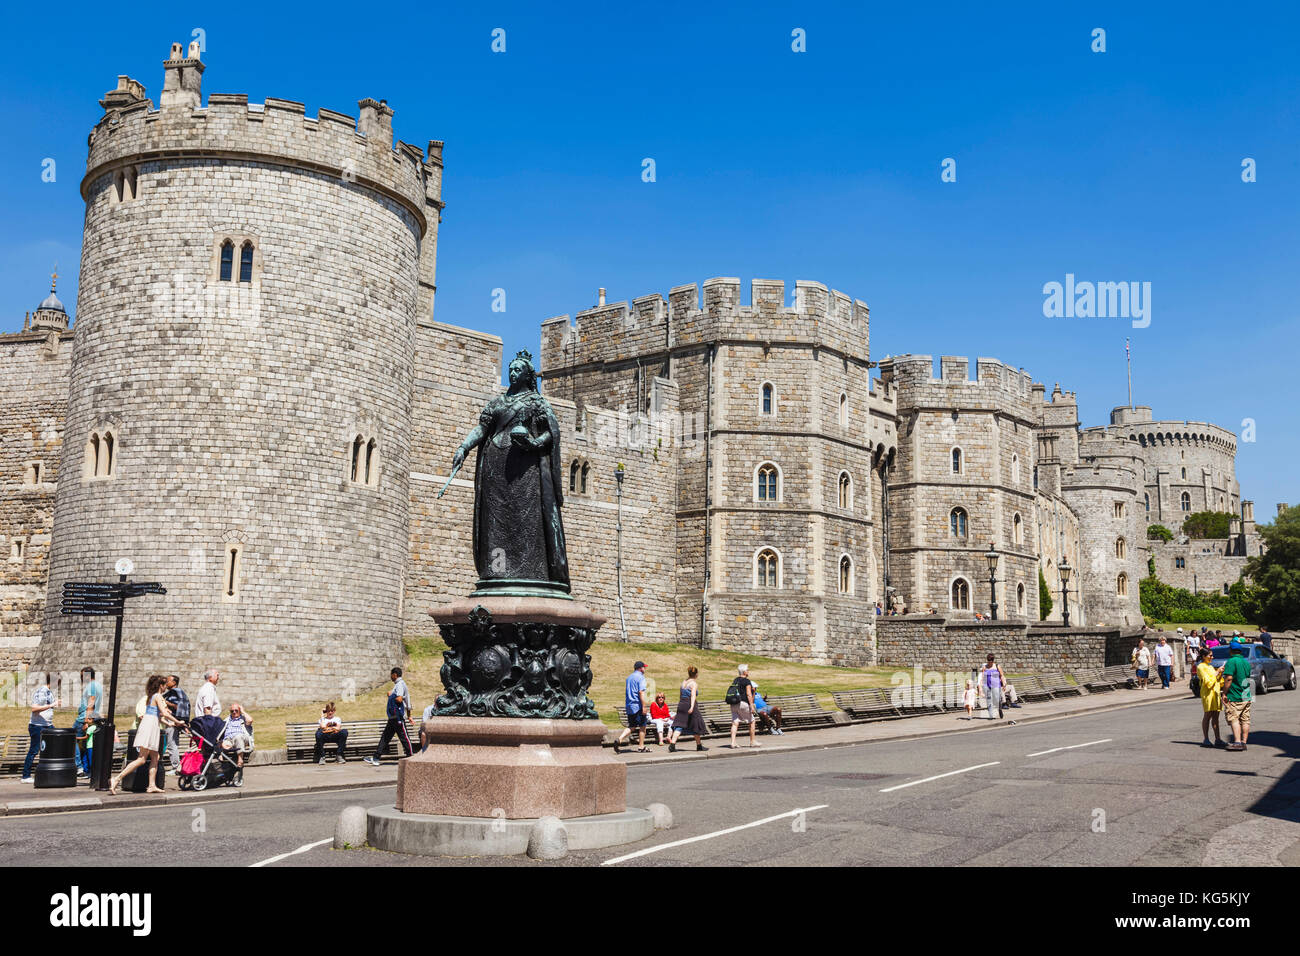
column 257, row 407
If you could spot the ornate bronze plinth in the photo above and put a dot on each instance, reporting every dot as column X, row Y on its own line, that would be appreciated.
column 516, row 657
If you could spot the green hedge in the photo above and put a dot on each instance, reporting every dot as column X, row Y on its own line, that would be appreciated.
column 1162, row 602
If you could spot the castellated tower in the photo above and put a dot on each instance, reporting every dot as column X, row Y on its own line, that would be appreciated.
column 781, row 444
column 239, row 415
column 964, row 481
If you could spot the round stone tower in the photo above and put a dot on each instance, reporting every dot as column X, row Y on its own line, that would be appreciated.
column 239, row 414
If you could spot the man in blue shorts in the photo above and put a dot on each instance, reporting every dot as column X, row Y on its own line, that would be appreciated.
column 637, row 711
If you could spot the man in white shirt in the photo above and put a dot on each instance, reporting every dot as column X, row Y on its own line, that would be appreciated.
column 1142, row 662
column 1165, row 662
column 207, row 701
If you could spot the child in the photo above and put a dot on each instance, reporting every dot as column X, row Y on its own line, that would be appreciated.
column 661, row 718
column 968, row 698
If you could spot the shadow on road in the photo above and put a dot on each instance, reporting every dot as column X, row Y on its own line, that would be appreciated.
column 1283, row 798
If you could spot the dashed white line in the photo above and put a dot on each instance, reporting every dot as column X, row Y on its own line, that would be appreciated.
column 940, row 776
column 285, row 856
column 1071, row 747
column 710, row 836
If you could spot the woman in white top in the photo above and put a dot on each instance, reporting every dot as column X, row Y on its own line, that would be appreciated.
column 148, row 734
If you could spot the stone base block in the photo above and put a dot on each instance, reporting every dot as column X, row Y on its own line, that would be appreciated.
column 438, row 835
column 512, row 769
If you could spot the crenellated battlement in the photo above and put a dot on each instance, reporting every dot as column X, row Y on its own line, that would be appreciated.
column 694, row 314
column 995, row 383
column 358, row 150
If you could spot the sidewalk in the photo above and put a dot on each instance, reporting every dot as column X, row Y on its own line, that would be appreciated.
column 19, row 799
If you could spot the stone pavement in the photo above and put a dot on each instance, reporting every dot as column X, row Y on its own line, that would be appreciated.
column 17, row 798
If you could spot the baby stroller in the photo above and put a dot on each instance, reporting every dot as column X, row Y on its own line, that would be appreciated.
column 206, row 764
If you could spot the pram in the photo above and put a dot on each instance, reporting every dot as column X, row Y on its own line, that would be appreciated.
column 206, row 764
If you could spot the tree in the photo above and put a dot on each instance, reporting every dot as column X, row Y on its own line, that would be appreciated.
column 1044, row 597
column 1158, row 532
column 1275, row 597
column 1208, row 524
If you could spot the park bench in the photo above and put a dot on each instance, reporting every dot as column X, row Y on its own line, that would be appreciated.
column 800, row 710
column 1122, row 674
column 363, row 737
column 870, row 703
column 649, row 725
column 1058, row 685
column 717, row 715
column 13, row 751
column 912, row 700
column 1031, row 689
column 1095, row 681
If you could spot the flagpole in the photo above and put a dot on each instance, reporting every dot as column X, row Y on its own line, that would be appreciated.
column 1128, row 356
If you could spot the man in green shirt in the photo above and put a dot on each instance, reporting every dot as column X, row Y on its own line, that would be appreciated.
column 1237, row 694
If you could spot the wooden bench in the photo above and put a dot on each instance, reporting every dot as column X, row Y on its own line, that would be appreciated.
column 1031, row 689
column 800, row 710
column 1095, row 681
column 650, row 730
column 912, row 700
column 13, row 752
column 363, row 737
column 870, row 703
column 1121, row 674
column 1058, row 685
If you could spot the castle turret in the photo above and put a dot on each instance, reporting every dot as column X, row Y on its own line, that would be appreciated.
column 50, row 315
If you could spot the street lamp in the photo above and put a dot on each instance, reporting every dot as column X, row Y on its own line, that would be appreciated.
column 991, row 557
column 622, row 622
column 1063, row 569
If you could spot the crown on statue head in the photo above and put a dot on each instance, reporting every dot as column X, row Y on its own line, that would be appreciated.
column 524, row 354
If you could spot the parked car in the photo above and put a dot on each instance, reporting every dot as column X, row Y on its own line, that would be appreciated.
column 1268, row 670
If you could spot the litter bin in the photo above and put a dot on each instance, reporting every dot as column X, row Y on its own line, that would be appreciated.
column 138, row 782
column 57, row 763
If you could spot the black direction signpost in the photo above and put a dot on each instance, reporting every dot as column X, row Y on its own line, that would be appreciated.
column 96, row 599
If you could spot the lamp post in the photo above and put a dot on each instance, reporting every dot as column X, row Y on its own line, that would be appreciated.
column 618, row 565
column 991, row 557
column 1063, row 569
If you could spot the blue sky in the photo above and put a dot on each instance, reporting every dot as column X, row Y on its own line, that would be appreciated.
column 825, row 165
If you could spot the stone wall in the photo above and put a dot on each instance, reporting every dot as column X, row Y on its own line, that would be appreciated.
column 33, row 404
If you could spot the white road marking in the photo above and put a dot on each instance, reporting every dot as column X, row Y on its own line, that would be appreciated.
column 710, row 836
column 1071, row 747
column 940, row 776
column 285, row 856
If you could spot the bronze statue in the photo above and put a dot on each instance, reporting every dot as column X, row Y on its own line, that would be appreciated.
column 518, row 491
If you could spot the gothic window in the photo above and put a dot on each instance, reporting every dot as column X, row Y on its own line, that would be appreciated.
column 125, row 184
column 1020, row 599
column 1035, row 477
column 246, row 262
column 846, row 575
column 1017, row 530
column 1121, row 585
column 573, row 475
column 99, row 460
column 582, row 478
column 365, row 461
column 956, row 461
column 230, row 585
column 1147, row 500
column 1121, row 549
column 1186, row 500
column 1119, row 509
column 846, row 490
column 957, row 522
column 372, row 463
column 844, row 410
column 227, row 260
column 767, row 483
column 1180, row 562
column 767, row 569
column 769, row 399
column 960, row 598
column 1015, row 469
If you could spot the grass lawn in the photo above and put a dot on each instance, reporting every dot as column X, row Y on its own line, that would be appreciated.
column 611, row 662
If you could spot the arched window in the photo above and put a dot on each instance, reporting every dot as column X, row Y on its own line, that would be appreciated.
column 956, row 461
column 767, row 485
column 1020, row 599
column 1121, row 549
column 227, row 260
column 960, row 597
column 365, row 456
column 767, row 569
column 1119, row 509
column 1186, row 500
column 1147, row 499
column 1035, row 477
column 846, row 575
column 246, row 262
column 582, row 480
column 1017, row 529
column 1015, row 469
column 1184, row 472
column 358, row 446
column 99, row 461
column 846, row 490
column 768, row 406
column 844, row 410
column 372, row 463
column 957, row 522
column 1121, row 585
column 233, row 563
column 573, row 475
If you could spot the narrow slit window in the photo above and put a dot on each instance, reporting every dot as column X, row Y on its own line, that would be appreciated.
column 227, row 260
column 357, row 444
column 246, row 262
column 232, row 572
column 372, row 463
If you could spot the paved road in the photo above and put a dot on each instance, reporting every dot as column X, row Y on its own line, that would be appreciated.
column 1129, row 786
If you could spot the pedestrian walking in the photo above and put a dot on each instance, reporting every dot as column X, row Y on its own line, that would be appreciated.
column 1237, row 695
column 398, row 706
column 208, row 702
column 968, row 700
column 740, row 695
column 1141, row 661
column 179, row 702
column 92, row 702
column 636, row 707
column 688, row 718
column 330, row 730
column 1210, row 679
column 42, row 703
column 1164, row 662
column 993, row 681
column 148, row 735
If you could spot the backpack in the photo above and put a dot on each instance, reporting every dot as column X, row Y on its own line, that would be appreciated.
column 733, row 693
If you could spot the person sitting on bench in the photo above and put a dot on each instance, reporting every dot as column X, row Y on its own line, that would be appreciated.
column 330, row 730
